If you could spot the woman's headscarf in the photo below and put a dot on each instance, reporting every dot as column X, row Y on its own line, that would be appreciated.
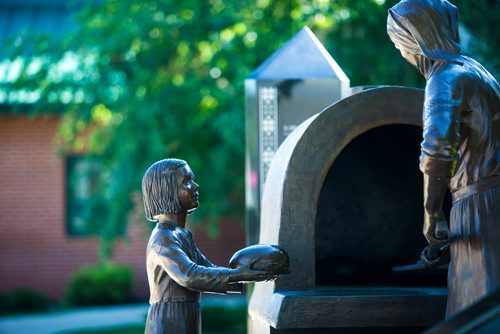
column 426, row 27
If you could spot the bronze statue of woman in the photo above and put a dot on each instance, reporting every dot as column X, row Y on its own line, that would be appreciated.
column 177, row 270
column 460, row 148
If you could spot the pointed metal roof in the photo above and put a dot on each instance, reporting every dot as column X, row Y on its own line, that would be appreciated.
column 303, row 56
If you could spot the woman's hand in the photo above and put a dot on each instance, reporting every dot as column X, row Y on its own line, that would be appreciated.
column 434, row 256
column 437, row 234
column 436, row 229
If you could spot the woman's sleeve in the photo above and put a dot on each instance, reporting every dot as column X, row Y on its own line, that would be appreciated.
column 190, row 275
column 441, row 133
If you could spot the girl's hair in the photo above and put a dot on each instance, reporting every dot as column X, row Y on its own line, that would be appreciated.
column 159, row 189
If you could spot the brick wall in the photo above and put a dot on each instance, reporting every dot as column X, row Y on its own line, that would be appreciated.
column 229, row 239
column 35, row 251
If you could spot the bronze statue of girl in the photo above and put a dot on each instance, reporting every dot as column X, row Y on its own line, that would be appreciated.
column 177, row 270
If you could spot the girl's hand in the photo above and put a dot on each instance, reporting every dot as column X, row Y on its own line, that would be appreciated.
column 247, row 274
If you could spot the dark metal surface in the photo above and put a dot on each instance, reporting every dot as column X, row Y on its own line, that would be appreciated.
column 460, row 148
column 482, row 317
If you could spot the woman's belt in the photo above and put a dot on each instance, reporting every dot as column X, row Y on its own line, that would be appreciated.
column 476, row 187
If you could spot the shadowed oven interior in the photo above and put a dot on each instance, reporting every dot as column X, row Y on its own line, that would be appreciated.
column 370, row 212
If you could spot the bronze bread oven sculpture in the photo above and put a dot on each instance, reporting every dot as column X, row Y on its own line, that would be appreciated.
column 343, row 196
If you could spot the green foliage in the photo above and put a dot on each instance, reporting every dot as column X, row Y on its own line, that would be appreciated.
column 103, row 284
column 164, row 78
column 223, row 319
column 23, row 300
column 480, row 18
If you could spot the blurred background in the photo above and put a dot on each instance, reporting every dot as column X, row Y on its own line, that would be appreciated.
column 93, row 92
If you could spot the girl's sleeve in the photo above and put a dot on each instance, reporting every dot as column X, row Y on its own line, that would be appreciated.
column 188, row 274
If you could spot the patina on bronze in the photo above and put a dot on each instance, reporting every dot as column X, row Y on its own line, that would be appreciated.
column 177, row 270
column 460, row 148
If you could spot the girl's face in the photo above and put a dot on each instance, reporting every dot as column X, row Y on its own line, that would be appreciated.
column 187, row 189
